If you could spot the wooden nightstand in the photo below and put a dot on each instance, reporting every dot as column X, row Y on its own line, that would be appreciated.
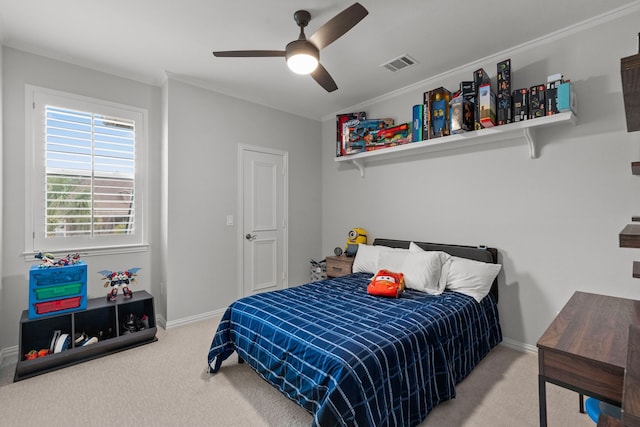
column 339, row 265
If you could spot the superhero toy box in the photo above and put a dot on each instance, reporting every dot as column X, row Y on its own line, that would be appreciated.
column 358, row 133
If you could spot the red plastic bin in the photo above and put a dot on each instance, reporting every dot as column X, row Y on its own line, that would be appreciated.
column 58, row 305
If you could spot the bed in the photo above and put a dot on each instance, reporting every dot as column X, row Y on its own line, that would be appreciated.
column 354, row 359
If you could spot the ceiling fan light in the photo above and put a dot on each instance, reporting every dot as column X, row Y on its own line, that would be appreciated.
column 302, row 63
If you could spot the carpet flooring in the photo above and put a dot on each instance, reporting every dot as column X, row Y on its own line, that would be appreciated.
column 166, row 384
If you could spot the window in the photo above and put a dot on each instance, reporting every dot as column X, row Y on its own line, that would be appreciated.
column 85, row 172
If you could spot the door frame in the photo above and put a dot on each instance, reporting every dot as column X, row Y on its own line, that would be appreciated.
column 242, row 149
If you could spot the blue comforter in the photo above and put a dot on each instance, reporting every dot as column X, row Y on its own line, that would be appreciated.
column 353, row 359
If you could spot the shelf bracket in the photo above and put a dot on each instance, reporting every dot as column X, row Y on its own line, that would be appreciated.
column 360, row 166
column 533, row 152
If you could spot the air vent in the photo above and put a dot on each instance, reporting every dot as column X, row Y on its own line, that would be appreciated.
column 400, row 63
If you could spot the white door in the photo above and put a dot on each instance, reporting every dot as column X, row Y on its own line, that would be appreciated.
column 263, row 208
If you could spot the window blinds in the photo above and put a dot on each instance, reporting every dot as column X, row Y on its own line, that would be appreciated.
column 90, row 173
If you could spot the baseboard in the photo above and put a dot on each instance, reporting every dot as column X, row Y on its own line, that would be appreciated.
column 191, row 319
column 8, row 356
column 519, row 346
column 161, row 321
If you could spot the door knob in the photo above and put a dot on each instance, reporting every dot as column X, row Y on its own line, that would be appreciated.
column 250, row 236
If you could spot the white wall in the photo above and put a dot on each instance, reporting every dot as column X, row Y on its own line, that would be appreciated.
column 555, row 219
column 204, row 131
column 1, row 180
column 193, row 137
column 22, row 68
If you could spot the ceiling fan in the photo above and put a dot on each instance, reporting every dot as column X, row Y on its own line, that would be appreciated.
column 303, row 54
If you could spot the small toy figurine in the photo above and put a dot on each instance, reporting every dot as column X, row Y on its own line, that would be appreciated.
column 117, row 279
column 48, row 260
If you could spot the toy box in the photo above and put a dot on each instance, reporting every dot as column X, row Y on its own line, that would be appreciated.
column 503, row 106
column 551, row 95
column 439, row 120
column 487, row 105
column 389, row 137
column 461, row 114
column 520, row 104
column 426, row 105
column 536, row 101
column 567, row 98
column 358, row 133
column 504, row 77
column 57, row 290
column 468, row 89
column 480, row 77
column 416, row 123
column 341, row 120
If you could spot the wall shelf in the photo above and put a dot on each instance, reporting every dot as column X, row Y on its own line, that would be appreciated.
column 630, row 236
column 524, row 129
column 630, row 75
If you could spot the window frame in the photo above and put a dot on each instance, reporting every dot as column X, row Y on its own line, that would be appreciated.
column 36, row 99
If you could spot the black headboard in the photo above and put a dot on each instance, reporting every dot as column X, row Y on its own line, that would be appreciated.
column 477, row 253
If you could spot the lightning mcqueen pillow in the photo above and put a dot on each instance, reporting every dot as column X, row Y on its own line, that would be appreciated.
column 386, row 284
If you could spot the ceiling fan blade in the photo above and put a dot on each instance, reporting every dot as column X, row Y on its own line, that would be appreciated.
column 337, row 26
column 324, row 79
column 248, row 53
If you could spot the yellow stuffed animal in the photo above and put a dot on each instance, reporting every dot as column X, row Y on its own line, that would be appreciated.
column 355, row 236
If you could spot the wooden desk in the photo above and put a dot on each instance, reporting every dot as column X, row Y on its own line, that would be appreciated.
column 585, row 348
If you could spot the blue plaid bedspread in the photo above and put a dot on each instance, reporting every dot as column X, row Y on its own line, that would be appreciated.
column 353, row 359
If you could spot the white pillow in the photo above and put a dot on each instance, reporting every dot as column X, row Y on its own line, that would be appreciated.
column 413, row 247
column 366, row 260
column 422, row 270
column 469, row 277
column 442, row 281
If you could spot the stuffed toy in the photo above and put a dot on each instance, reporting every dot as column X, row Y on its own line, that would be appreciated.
column 355, row 236
column 387, row 284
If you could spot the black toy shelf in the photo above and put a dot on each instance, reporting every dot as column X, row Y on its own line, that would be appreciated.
column 105, row 320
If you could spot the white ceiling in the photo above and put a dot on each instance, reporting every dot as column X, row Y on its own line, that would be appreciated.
column 149, row 39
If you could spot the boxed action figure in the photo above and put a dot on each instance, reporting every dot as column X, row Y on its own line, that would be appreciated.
column 566, row 98
column 341, row 120
column 536, row 101
column 551, row 95
column 416, row 124
column 468, row 89
column 357, row 133
column 504, row 77
column 520, row 104
column 439, row 120
column 426, row 116
column 480, row 77
column 503, row 102
column 487, row 104
column 503, row 96
column 461, row 114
